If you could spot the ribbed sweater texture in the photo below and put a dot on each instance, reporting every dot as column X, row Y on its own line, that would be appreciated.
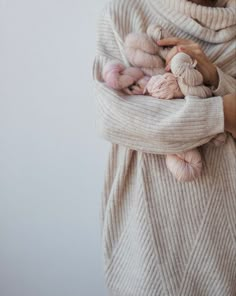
column 161, row 237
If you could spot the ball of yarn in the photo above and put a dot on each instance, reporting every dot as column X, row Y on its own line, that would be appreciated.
column 185, row 166
column 164, row 87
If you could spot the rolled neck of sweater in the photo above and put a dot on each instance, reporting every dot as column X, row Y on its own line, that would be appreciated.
column 214, row 24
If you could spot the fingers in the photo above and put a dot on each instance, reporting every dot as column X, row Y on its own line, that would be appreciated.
column 172, row 41
column 189, row 47
column 184, row 45
column 193, row 50
column 171, row 54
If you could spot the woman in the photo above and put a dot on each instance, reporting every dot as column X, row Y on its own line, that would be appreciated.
column 160, row 236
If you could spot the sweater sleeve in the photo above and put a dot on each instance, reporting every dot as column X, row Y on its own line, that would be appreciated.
column 145, row 123
column 227, row 84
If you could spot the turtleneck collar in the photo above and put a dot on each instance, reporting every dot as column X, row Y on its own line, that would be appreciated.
column 213, row 24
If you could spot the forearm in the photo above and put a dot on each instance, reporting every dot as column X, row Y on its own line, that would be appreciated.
column 226, row 84
column 172, row 134
column 229, row 102
column 154, row 125
column 146, row 123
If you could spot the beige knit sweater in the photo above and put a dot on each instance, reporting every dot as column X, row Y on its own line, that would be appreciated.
column 162, row 237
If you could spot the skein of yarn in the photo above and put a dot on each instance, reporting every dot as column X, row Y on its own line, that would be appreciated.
column 185, row 166
column 156, row 33
column 190, row 80
column 142, row 52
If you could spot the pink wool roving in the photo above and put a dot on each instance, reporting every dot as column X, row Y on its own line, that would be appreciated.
column 142, row 52
column 164, row 87
column 131, row 80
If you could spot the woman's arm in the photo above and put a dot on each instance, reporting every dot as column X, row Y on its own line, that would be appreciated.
column 230, row 113
column 146, row 123
column 226, row 84
column 222, row 84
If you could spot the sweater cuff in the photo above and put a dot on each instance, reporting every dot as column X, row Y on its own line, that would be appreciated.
column 213, row 108
column 216, row 118
column 220, row 90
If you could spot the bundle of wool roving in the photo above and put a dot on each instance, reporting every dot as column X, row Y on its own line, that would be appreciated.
column 130, row 80
column 146, row 58
column 142, row 50
column 148, row 76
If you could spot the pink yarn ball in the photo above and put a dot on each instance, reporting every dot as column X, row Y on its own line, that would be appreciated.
column 164, row 87
column 185, row 166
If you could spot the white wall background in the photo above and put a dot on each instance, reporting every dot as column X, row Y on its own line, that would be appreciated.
column 51, row 160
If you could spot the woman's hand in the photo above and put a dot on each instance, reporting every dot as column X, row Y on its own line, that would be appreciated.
column 204, row 65
column 230, row 113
